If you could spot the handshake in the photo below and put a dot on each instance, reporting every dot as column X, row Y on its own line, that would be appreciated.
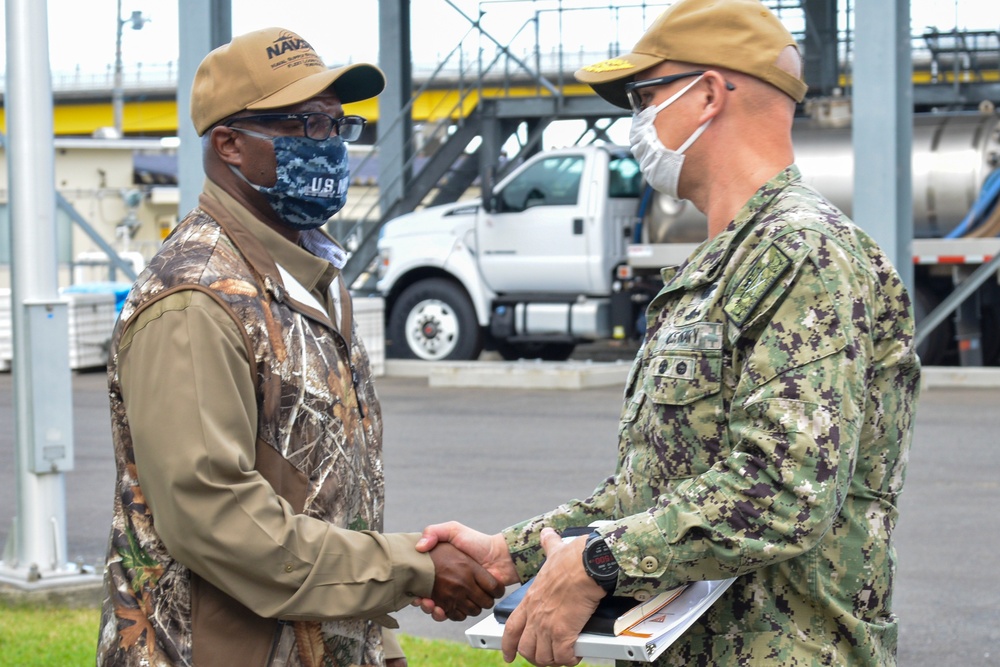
column 472, row 569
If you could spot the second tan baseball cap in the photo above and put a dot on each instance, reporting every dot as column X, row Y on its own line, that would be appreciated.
column 268, row 69
column 741, row 35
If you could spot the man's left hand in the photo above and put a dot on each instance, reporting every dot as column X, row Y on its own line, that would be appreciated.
column 544, row 627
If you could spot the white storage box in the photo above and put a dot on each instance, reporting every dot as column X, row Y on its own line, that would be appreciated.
column 369, row 318
column 91, row 322
column 91, row 319
column 6, row 351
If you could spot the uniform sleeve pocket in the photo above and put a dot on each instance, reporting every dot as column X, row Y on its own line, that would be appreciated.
column 683, row 377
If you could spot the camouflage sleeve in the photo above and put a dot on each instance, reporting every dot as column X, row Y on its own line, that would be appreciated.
column 523, row 538
column 793, row 424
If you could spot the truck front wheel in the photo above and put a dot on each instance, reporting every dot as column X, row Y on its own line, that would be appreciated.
column 433, row 320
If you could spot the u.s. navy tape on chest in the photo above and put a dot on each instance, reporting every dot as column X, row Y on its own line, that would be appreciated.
column 698, row 336
column 756, row 284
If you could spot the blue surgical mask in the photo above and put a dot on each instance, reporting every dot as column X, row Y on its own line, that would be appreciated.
column 312, row 179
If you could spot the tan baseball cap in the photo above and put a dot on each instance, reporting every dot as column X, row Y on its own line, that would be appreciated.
column 268, row 69
column 741, row 35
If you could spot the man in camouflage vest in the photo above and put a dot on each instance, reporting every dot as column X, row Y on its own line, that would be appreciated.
column 248, row 438
column 769, row 411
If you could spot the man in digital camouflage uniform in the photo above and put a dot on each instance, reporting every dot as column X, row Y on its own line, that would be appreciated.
column 248, row 504
column 768, row 414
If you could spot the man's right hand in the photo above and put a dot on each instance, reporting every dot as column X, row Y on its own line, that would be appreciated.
column 488, row 550
column 462, row 587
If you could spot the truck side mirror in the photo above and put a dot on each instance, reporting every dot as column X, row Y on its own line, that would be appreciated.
column 490, row 204
column 488, row 196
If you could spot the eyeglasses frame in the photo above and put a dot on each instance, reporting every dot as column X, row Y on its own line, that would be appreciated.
column 633, row 86
column 336, row 124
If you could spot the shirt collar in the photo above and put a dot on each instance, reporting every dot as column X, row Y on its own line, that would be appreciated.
column 704, row 264
column 312, row 263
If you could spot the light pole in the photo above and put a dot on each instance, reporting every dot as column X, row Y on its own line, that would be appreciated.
column 118, row 94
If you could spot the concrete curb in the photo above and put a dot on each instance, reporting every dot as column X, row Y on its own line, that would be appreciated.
column 565, row 375
column 956, row 377
column 77, row 592
column 575, row 375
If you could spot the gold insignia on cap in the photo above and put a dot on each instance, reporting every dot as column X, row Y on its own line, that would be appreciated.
column 612, row 65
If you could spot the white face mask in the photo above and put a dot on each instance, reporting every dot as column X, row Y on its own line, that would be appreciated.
column 660, row 166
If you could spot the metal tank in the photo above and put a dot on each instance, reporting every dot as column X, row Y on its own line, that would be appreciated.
column 952, row 156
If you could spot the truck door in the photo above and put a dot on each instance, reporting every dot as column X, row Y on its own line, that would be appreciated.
column 536, row 239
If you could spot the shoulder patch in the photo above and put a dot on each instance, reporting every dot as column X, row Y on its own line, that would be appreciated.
column 756, row 284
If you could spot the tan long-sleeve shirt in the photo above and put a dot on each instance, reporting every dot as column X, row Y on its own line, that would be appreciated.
column 192, row 408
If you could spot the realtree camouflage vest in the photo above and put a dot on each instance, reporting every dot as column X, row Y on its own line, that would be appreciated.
column 159, row 613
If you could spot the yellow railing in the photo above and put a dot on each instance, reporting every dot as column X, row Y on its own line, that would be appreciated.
column 159, row 117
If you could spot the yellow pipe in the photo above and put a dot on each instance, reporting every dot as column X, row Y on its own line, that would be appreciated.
column 159, row 117
column 154, row 117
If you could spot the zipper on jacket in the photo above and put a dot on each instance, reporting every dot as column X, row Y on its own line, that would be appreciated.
column 356, row 381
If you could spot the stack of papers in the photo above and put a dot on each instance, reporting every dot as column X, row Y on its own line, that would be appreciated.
column 643, row 642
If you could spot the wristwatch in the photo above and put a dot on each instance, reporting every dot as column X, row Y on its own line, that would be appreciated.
column 600, row 563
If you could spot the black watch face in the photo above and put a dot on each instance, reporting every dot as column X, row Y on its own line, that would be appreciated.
column 601, row 562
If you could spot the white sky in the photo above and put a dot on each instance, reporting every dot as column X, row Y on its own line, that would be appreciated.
column 82, row 32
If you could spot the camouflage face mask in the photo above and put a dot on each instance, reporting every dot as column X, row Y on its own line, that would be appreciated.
column 312, row 179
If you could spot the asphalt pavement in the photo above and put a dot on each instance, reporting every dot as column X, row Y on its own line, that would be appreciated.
column 490, row 457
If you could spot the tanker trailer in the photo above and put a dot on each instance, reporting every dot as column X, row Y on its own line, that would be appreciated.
column 956, row 183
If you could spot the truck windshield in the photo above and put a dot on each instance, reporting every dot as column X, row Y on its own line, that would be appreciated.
column 553, row 181
column 625, row 179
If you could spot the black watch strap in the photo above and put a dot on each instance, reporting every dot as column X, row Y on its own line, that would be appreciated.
column 600, row 563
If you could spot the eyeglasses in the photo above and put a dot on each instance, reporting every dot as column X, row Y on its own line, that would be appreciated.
column 315, row 125
column 635, row 98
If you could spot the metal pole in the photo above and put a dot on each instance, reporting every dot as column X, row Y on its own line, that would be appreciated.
column 395, row 138
column 203, row 27
column 118, row 93
column 883, row 129
column 42, row 392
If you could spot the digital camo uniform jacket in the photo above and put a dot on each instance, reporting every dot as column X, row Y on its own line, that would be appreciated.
column 318, row 444
column 764, row 433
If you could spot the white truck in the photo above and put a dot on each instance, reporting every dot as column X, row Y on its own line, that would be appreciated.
column 567, row 249
column 530, row 273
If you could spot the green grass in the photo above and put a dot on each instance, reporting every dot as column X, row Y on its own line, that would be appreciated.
column 55, row 637
column 45, row 637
